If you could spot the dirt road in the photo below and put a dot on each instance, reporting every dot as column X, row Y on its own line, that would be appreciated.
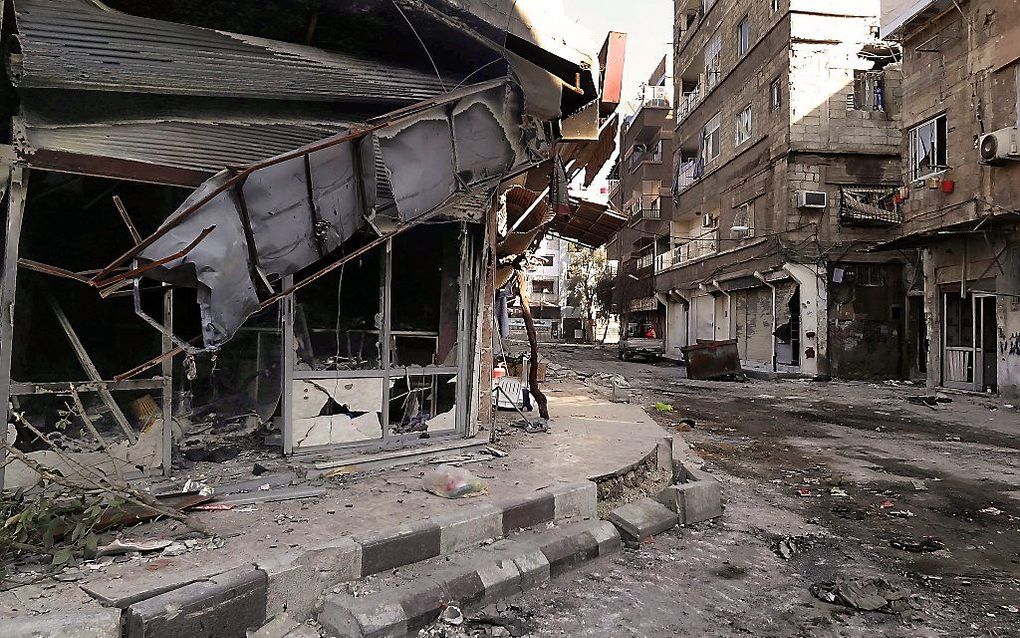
column 849, row 474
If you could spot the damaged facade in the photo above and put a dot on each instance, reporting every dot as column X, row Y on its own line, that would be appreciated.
column 785, row 172
column 961, row 185
column 284, row 220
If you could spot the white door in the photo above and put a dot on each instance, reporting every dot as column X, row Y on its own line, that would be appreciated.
column 676, row 328
column 704, row 317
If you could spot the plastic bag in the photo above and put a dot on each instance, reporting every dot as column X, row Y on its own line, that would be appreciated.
column 452, row 482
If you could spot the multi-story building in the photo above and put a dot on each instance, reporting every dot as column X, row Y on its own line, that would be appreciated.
column 960, row 147
column 640, row 185
column 547, row 288
column 787, row 170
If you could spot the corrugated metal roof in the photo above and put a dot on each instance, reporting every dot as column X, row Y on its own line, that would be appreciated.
column 590, row 224
column 203, row 148
column 75, row 44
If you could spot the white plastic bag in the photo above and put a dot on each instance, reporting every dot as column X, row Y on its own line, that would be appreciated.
column 452, row 482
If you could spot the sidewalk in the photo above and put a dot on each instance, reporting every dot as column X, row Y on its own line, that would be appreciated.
column 544, row 477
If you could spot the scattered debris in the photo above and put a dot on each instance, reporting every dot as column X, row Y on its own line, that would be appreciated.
column 496, row 452
column 991, row 511
column 838, row 492
column 790, row 546
column 663, row 407
column 259, row 469
column 804, row 492
column 874, row 594
column 886, row 504
column 452, row 615
column 124, row 547
column 901, row 514
column 452, row 482
column 918, row 546
column 919, row 486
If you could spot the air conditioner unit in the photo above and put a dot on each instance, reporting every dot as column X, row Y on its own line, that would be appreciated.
column 708, row 220
column 1000, row 145
column 812, row 199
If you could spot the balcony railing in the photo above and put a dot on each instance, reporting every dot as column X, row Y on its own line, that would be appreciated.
column 654, row 155
column 657, row 97
column 646, row 207
column 688, row 102
column 688, row 173
column 614, row 185
column 663, row 261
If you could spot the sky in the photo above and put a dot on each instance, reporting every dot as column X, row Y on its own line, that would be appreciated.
column 647, row 23
column 649, row 28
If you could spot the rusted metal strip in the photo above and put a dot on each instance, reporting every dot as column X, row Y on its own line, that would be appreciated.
column 127, row 219
column 159, row 262
column 56, row 271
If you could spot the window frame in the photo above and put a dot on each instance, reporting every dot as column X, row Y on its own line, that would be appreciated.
column 749, row 112
column 713, row 133
column 744, row 36
column 713, row 63
column 938, row 151
column 775, row 94
column 747, row 209
column 776, row 5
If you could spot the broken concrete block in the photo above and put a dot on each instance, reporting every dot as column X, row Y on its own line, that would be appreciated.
column 225, row 606
column 697, row 500
column 607, row 537
column 364, row 617
column 99, row 623
column 643, row 518
column 278, row 627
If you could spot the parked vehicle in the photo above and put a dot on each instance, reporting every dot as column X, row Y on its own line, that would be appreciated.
column 641, row 340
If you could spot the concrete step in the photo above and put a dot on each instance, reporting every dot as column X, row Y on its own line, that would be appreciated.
column 403, row 601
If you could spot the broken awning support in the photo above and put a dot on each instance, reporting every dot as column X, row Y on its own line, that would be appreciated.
column 277, row 217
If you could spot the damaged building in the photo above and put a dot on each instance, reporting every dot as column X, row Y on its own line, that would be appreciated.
column 786, row 171
column 960, row 188
column 272, row 221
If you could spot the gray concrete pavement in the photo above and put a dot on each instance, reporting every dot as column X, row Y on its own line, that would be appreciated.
column 786, row 452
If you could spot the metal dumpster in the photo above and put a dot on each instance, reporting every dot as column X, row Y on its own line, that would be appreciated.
column 713, row 360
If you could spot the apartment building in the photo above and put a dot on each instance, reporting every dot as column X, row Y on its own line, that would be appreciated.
column 961, row 187
column 787, row 168
column 640, row 185
column 547, row 289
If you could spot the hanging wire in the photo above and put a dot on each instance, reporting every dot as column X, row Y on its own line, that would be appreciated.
column 423, row 45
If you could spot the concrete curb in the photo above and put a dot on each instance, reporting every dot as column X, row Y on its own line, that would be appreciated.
column 522, row 566
column 102, row 623
column 227, row 604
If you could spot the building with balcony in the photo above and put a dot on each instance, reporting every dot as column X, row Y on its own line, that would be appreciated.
column 787, row 168
column 961, row 188
column 546, row 278
column 640, row 186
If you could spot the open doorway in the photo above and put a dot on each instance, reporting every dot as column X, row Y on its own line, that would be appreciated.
column 969, row 337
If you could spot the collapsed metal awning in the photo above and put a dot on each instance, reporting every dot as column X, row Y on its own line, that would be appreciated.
column 242, row 230
column 78, row 44
column 178, row 153
column 590, row 224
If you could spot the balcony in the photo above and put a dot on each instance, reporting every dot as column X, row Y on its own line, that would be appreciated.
column 688, row 102
column 614, row 185
column 639, row 157
column 688, row 174
column 657, row 97
column 646, row 207
column 664, row 261
column 869, row 206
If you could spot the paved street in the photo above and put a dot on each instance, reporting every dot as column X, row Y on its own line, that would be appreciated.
column 786, row 452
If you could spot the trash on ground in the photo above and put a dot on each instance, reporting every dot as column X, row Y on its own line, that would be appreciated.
column 838, row 492
column 663, row 407
column 918, row 546
column 804, row 492
column 874, row 594
column 790, row 546
column 901, row 513
column 886, row 504
column 452, row 615
column 991, row 511
column 124, row 547
column 452, row 482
